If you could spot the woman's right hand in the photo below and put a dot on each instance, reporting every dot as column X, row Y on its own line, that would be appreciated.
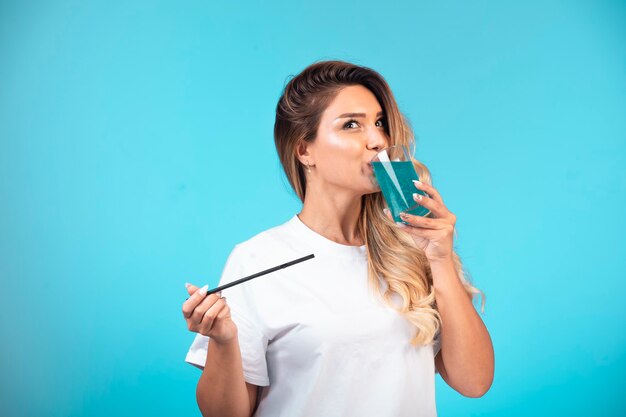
column 209, row 316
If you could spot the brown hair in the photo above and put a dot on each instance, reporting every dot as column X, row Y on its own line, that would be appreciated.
column 392, row 253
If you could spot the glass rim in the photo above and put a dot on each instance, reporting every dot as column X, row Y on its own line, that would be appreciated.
column 405, row 150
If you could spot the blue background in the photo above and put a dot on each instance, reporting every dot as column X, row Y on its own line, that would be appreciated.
column 137, row 149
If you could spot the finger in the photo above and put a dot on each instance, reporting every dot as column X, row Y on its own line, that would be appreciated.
column 193, row 301
column 203, row 307
column 422, row 233
column 224, row 311
column 429, row 190
column 210, row 316
column 420, row 221
column 434, row 206
column 388, row 214
column 191, row 288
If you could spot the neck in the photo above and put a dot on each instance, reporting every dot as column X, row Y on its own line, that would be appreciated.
column 333, row 214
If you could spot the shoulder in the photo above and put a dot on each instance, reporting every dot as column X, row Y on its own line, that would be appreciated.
column 267, row 246
column 272, row 236
column 270, row 248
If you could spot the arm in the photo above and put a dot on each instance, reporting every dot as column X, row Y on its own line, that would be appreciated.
column 222, row 390
column 466, row 358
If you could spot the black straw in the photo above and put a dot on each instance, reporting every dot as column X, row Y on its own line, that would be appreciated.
column 258, row 274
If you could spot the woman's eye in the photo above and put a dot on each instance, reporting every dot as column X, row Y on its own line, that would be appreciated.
column 348, row 123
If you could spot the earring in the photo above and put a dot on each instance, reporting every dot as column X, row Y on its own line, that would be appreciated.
column 308, row 168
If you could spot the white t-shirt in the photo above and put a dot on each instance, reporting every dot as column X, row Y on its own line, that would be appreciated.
column 313, row 335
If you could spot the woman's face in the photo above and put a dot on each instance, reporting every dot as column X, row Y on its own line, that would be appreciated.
column 351, row 132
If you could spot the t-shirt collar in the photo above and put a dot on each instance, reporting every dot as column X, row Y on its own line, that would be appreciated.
column 323, row 244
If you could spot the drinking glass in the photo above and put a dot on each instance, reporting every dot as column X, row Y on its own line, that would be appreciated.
column 394, row 173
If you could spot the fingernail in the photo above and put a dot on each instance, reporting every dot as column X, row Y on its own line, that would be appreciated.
column 203, row 290
column 400, row 224
column 187, row 285
column 416, row 182
column 386, row 210
column 417, row 196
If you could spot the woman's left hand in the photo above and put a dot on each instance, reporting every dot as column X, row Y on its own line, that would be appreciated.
column 434, row 235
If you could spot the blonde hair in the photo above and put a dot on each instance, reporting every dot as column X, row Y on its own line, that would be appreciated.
column 392, row 253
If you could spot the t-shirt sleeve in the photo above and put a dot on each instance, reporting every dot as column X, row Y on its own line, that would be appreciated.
column 436, row 347
column 252, row 340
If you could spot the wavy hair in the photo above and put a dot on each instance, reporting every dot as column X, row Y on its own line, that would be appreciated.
column 392, row 253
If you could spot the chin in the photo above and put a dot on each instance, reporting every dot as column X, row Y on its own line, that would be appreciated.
column 368, row 193
column 371, row 188
column 366, row 184
column 372, row 183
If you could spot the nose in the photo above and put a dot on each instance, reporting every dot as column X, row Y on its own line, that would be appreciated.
column 377, row 141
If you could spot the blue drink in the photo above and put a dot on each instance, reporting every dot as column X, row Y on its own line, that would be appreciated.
column 395, row 179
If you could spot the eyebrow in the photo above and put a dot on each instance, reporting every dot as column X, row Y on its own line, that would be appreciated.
column 357, row 115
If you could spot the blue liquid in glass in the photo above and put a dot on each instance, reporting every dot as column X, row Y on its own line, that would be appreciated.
column 396, row 183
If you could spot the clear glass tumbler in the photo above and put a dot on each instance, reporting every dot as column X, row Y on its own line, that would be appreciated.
column 394, row 173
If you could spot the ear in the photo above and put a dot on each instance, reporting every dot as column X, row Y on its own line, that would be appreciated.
column 303, row 153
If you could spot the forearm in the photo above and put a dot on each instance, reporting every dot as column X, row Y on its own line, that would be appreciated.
column 466, row 348
column 222, row 389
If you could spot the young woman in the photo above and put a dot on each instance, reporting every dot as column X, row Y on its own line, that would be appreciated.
column 360, row 329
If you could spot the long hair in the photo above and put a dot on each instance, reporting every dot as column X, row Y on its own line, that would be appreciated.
column 392, row 253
